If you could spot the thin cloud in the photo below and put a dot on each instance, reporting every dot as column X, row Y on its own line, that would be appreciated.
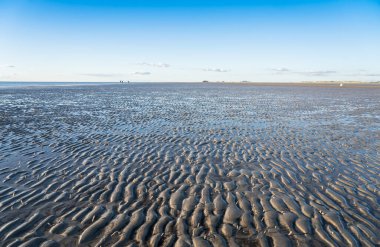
column 141, row 73
column 216, row 70
column 100, row 75
column 282, row 69
column 157, row 65
column 319, row 73
column 362, row 73
column 7, row 66
column 366, row 74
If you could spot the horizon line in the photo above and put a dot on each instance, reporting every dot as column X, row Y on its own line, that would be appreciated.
column 205, row 81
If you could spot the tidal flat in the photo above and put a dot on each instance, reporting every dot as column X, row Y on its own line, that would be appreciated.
column 197, row 164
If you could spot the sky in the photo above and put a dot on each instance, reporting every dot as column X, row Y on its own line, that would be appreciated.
column 186, row 41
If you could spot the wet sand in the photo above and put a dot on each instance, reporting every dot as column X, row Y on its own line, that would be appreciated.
column 189, row 165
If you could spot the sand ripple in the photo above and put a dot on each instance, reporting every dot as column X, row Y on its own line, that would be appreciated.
column 189, row 165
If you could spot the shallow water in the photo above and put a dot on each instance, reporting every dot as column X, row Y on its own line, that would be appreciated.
column 189, row 164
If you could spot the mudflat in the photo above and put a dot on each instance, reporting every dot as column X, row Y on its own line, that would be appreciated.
column 190, row 165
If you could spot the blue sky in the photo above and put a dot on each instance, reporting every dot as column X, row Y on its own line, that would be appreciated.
column 225, row 40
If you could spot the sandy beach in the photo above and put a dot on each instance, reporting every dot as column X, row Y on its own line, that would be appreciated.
column 190, row 165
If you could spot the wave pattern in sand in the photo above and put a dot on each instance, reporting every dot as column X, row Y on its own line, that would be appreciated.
column 189, row 165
